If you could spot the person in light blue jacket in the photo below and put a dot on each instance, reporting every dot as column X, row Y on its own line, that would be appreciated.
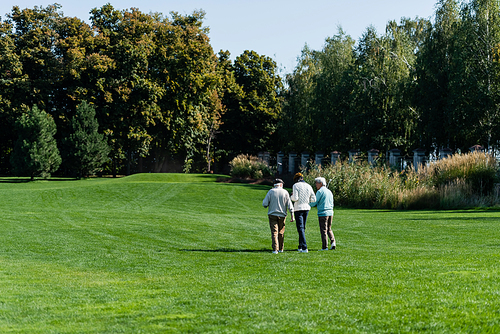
column 324, row 203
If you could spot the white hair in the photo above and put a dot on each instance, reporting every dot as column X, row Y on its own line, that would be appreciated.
column 321, row 180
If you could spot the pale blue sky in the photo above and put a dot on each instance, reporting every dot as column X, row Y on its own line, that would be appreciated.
column 275, row 28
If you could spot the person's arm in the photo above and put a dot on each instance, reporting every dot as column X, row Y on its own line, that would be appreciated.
column 312, row 197
column 295, row 194
column 319, row 195
column 265, row 202
column 290, row 208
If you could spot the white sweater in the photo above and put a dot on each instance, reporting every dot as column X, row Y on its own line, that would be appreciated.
column 302, row 195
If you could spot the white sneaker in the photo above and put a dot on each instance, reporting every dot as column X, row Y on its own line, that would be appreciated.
column 304, row 251
column 333, row 247
column 275, row 252
column 280, row 251
column 324, row 249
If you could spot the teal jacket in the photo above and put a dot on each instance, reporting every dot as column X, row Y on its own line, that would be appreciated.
column 324, row 202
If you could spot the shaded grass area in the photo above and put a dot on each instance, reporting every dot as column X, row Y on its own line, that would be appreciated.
column 180, row 253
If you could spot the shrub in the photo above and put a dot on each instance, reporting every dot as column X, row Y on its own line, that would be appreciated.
column 247, row 166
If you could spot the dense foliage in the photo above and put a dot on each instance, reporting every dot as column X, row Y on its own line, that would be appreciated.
column 420, row 84
column 159, row 90
column 166, row 102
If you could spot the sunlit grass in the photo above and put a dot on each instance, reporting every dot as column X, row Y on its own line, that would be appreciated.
column 180, row 253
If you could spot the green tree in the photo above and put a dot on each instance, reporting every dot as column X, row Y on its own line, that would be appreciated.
column 28, row 67
column 475, row 98
column 35, row 152
column 85, row 150
column 297, row 124
column 432, row 94
column 10, row 78
column 249, row 125
column 51, row 51
column 127, row 97
column 381, row 112
column 74, row 48
column 332, row 94
column 35, row 36
column 184, row 64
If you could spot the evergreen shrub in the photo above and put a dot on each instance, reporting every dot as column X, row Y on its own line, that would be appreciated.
column 85, row 149
column 35, row 152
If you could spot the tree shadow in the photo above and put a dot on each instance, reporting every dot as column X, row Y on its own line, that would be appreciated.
column 455, row 219
column 439, row 214
column 14, row 180
column 27, row 179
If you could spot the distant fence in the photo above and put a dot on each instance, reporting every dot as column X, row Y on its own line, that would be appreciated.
column 292, row 162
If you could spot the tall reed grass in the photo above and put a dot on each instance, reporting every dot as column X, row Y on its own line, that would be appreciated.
column 459, row 181
column 248, row 166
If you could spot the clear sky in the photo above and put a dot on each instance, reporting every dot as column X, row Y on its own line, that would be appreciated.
column 275, row 28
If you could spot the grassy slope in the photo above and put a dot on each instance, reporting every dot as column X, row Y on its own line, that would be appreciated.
column 180, row 253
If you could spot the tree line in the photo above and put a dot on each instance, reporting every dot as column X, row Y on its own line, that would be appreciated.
column 158, row 89
column 420, row 84
column 159, row 92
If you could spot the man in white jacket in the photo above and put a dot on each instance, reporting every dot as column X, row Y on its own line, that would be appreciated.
column 302, row 195
column 277, row 201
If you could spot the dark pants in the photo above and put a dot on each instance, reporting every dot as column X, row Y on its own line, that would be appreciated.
column 300, row 221
column 325, row 228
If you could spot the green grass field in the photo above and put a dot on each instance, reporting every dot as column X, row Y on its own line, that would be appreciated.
column 172, row 253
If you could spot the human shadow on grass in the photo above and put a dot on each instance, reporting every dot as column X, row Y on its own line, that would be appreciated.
column 228, row 250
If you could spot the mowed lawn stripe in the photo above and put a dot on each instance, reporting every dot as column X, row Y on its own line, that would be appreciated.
column 181, row 253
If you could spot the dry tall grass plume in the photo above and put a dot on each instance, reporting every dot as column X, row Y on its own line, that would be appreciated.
column 248, row 166
column 459, row 181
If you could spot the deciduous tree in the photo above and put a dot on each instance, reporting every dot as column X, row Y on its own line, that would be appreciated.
column 297, row 124
column 475, row 94
column 332, row 99
column 10, row 79
column 186, row 67
column 432, row 95
column 251, row 121
column 127, row 96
